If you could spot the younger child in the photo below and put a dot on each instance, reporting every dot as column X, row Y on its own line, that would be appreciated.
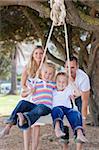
column 41, row 101
column 62, row 106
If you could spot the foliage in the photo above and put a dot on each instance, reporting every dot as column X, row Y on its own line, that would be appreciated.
column 16, row 27
column 32, row 19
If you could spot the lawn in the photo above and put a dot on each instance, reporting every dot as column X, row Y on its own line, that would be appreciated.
column 7, row 103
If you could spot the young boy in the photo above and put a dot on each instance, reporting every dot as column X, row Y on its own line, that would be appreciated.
column 62, row 106
column 40, row 104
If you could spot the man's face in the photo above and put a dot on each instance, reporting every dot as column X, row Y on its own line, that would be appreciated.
column 73, row 67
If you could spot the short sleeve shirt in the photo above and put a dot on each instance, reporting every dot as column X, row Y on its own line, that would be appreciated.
column 82, row 81
column 62, row 98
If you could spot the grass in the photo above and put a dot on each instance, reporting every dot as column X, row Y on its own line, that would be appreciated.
column 7, row 103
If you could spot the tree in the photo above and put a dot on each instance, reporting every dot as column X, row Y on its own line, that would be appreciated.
column 81, row 15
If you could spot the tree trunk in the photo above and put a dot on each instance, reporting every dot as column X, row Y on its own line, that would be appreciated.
column 13, row 74
column 94, row 99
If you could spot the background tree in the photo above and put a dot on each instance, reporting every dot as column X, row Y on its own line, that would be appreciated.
column 32, row 18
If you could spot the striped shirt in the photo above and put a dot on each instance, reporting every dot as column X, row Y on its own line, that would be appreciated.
column 43, row 93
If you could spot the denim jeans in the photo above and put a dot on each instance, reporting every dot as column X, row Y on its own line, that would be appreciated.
column 73, row 116
column 34, row 114
column 22, row 106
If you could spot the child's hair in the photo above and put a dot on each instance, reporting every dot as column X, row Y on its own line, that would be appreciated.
column 61, row 74
column 45, row 65
column 49, row 65
column 32, row 65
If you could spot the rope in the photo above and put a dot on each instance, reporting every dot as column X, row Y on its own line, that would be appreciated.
column 58, row 15
column 58, row 12
column 68, row 62
column 67, row 49
column 45, row 50
column 44, row 54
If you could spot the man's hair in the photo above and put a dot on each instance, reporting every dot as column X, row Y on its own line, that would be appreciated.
column 73, row 58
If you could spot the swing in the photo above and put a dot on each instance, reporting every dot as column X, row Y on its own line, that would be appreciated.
column 57, row 15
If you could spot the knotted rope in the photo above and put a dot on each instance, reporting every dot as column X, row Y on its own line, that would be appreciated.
column 57, row 15
column 58, row 12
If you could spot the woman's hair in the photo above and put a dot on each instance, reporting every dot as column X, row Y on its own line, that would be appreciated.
column 32, row 65
column 61, row 74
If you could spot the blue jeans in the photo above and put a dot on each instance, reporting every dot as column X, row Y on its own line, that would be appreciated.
column 22, row 106
column 73, row 116
column 32, row 112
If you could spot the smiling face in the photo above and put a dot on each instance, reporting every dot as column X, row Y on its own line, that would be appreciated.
column 73, row 68
column 61, row 82
column 38, row 54
column 48, row 72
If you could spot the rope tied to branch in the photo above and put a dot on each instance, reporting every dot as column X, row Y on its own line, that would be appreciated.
column 58, row 12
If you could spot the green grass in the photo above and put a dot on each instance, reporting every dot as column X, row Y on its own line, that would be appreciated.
column 7, row 103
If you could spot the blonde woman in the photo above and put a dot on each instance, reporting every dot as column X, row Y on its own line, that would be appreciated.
column 28, row 72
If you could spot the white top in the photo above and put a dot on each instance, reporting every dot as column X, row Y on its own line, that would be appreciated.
column 62, row 98
column 82, row 81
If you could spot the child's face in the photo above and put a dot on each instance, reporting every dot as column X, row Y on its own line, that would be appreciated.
column 61, row 82
column 47, row 74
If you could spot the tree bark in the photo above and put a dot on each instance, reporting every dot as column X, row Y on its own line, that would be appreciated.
column 94, row 100
column 13, row 74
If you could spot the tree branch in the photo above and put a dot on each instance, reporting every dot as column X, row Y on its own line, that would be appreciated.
column 91, row 3
column 79, row 19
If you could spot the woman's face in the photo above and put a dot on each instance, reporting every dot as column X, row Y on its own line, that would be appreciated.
column 37, row 55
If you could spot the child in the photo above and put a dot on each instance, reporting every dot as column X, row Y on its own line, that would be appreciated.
column 62, row 106
column 40, row 105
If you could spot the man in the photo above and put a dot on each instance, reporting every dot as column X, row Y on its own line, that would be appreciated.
column 81, row 80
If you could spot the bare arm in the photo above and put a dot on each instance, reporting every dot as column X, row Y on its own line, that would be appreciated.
column 85, row 97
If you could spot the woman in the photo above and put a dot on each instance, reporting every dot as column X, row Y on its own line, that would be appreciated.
column 30, row 71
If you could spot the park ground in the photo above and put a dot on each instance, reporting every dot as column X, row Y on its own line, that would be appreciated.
column 47, row 139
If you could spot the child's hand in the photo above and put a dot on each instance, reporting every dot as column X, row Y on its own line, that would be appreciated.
column 25, row 92
column 76, row 93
